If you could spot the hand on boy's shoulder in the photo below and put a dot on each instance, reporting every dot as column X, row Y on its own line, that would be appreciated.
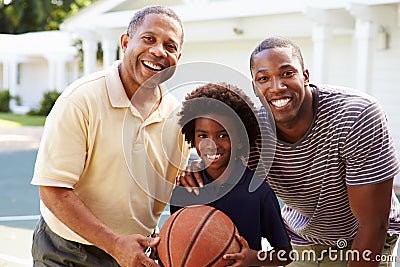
column 191, row 178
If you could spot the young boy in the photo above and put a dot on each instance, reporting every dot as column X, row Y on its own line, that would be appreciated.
column 219, row 121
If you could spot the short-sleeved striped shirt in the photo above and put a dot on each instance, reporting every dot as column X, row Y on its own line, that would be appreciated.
column 348, row 144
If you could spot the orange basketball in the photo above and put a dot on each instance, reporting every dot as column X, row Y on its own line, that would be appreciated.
column 197, row 236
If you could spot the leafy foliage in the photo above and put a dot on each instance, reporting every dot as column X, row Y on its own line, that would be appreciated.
column 5, row 101
column 47, row 103
column 21, row 16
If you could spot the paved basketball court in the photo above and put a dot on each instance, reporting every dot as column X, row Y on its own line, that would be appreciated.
column 19, row 201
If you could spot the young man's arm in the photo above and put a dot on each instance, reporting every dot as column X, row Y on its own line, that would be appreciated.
column 370, row 204
column 68, row 208
column 251, row 257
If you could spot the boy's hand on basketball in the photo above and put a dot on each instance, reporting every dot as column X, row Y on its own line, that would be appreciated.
column 242, row 258
column 129, row 250
column 191, row 178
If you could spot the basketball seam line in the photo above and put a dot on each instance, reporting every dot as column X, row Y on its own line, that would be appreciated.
column 196, row 235
column 224, row 250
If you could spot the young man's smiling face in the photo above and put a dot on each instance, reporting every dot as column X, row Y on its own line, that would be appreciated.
column 279, row 76
column 154, row 46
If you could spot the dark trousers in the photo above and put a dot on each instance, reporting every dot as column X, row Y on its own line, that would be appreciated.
column 49, row 249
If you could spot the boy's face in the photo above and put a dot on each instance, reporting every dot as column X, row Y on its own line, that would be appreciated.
column 213, row 141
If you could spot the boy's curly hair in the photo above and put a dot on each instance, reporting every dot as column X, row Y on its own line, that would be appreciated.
column 221, row 99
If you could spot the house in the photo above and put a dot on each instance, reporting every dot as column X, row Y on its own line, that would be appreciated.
column 33, row 63
column 349, row 43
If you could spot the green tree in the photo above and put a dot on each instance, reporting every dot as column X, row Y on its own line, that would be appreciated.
column 21, row 16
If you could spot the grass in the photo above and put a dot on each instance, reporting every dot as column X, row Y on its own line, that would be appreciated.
column 15, row 120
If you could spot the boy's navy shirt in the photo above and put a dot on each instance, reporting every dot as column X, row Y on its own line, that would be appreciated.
column 256, row 214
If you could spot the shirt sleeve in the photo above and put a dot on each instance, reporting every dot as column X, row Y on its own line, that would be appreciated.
column 262, row 155
column 63, row 149
column 369, row 150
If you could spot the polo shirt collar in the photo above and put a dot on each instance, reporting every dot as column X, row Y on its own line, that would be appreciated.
column 115, row 89
column 240, row 169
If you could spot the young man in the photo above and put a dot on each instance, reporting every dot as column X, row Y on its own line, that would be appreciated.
column 334, row 161
column 101, row 178
column 333, row 166
column 220, row 121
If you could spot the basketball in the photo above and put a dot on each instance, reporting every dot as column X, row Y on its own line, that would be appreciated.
column 197, row 236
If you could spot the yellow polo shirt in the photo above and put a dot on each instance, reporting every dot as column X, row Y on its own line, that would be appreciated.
column 121, row 166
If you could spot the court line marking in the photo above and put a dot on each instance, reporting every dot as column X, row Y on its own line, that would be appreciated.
column 8, row 258
column 19, row 218
column 13, row 259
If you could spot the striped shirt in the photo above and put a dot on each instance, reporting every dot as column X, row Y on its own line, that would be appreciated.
column 348, row 144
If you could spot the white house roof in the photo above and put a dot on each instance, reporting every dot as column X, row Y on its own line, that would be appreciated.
column 36, row 44
column 105, row 17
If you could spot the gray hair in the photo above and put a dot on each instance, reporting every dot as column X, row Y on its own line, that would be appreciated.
column 138, row 18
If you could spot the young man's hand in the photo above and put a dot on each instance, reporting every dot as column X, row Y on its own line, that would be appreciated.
column 191, row 178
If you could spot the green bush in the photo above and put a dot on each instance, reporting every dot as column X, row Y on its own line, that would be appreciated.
column 5, row 101
column 47, row 103
column 17, row 99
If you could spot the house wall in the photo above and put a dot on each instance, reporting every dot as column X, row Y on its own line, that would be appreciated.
column 341, row 70
column 34, row 82
column 43, row 67
column 232, row 54
column 386, row 83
